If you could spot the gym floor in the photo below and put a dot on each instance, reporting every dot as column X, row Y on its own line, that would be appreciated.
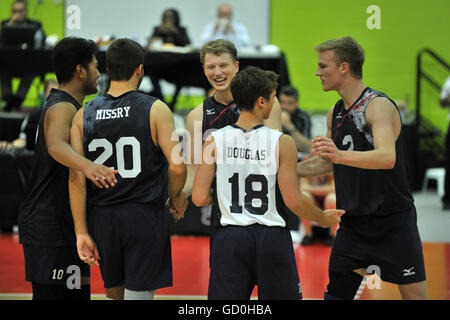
column 191, row 263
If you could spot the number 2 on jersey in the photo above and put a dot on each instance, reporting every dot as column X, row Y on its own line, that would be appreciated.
column 250, row 194
column 120, row 157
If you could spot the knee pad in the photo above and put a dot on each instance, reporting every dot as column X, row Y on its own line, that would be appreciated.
column 139, row 295
column 342, row 285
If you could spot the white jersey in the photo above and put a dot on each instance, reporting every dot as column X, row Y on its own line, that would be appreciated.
column 246, row 176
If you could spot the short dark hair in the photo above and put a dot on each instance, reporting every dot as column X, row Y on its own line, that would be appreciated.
column 69, row 53
column 218, row 47
column 346, row 49
column 123, row 57
column 289, row 91
column 250, row 84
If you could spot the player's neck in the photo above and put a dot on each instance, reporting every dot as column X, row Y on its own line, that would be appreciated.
column 74, row 91
column 248, row 120
column 223, row 97
column 350, row 91
column 118, row 88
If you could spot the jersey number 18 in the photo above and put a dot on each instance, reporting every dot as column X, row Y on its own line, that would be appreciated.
column 250, row 194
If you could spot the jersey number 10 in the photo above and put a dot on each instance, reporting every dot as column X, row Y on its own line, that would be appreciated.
column 120, row 154
column 250, row 194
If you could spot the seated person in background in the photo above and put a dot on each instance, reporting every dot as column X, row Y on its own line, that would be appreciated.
column 321, row 190
column 18, row 17
column 225, row 28
column 29, row 125
column 169, row 32
column 295, row 122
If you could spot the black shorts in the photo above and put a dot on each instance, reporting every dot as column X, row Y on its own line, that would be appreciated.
column 54, row 265
column 134, row 245
column 389, row 245
column 242, row 257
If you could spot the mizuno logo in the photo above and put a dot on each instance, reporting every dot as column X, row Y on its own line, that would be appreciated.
column 210, row 112
column 408, row 272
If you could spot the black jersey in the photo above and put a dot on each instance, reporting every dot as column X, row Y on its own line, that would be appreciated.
column 117, row 134
column 45, row 218
column 217, row 116
column 362, row 191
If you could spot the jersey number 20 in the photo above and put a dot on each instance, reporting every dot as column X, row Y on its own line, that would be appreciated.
column 250, row 194
column 120, row 146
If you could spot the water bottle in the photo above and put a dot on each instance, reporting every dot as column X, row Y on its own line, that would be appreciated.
column 38, row 39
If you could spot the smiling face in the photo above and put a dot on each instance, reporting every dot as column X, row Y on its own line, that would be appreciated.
column 328, row 70
column 220, row 70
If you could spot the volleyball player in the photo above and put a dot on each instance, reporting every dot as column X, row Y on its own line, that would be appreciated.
column 365, row 148
column 131, row 132
column 220, row 65
column 45, row 222
column 250, row 242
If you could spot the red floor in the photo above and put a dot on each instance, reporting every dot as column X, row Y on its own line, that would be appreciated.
column 191, row 270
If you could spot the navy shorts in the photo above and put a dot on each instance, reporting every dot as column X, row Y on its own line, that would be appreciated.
column 134, row 245
column 242, row 257
column 53, row 265
column 389, row 245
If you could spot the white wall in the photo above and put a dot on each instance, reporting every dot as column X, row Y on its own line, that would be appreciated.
column 137, row 18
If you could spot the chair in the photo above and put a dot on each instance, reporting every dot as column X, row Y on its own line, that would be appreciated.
column 437, row 174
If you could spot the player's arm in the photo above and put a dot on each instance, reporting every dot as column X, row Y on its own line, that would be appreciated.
column 295, row 200
column 201, row 192
column 57, row 124
column 87, row 250
column 164, row 135
column 274, row 120
column 302, row 142
column 193, row 145
column 317, row 165
column 384, row 121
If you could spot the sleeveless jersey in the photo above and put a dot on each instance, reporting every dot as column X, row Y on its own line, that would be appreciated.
column 246, row 189
column 217, row 115
column 361, row 191
column 45, row 218
column 117, row 134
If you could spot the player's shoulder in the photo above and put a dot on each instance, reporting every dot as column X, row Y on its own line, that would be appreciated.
column 143, row 96
column 96, row 101
column 381, row 102
column 196, row 113
column 60, row 107
column 286, row 145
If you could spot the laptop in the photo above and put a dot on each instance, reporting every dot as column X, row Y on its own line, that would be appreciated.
column 17, row 35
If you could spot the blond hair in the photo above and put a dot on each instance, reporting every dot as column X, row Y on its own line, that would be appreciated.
column 218, row 47
column 346, row 49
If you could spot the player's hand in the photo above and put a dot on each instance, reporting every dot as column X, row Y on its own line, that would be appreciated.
column 330, row 218
column 177, row 205
column 101, row 175
column 87, row 249
column 326, row 148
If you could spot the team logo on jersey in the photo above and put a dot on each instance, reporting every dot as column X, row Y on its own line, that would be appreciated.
column 408, row 272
